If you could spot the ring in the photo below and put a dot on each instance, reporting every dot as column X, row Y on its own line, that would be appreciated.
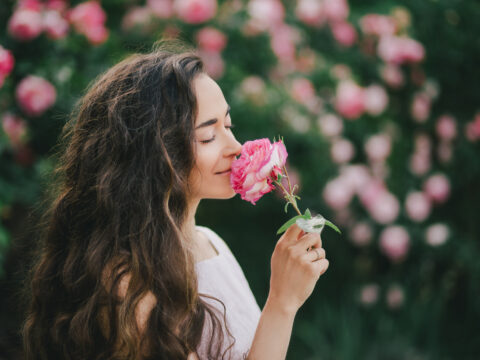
column 318, row 254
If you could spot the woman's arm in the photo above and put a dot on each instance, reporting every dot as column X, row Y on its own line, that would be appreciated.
column 273, row 333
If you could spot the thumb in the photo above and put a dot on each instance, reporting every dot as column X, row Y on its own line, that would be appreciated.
column 294, row 232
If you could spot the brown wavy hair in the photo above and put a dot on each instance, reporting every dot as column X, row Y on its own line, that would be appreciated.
column 117, row 206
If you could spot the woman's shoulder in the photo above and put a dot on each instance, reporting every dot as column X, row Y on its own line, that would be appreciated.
column 216, row 239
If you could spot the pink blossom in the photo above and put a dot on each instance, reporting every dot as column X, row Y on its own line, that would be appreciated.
column 445, row 151
column 253, row 87
column 437, row 234
column 35, row 95
column 211, row 39
column 306, row 60
column 472, row 128
column 195, row 11
column 15, row 128
column 392, row 75
column 330, row 125
column 369, row 294
column 214, row 64
column 337, row 194
column 162, row 9
column 342, row 151
column 283, row 41
column 88, row 18
column 267, row 14
column 417, row 206
column 437, row 187
column 376, row 99
column 395, row 243
column 356, row 176
column 399, row 50
column 57, row 5
column 350, row 99
column 54, row 24
column 25, row 24
column 384, row 208
column 302, row 90
column 420, row 109
column 34, row 5
column 336, row 10
column 361, row 234
column 311, row 12
column 419, row 164
column 7, row 61
column 395, row 297
column 258, row 165
column 344, row 33
column 378, row 147
column 446, row 127
column 139, row 17
column 374, row 24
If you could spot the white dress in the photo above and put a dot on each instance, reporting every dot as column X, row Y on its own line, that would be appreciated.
column 222, row 277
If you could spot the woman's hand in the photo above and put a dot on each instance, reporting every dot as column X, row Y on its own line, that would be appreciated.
column 294, row 270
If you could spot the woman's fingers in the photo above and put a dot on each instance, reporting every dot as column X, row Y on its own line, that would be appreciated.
column 309, row 240
column 315, row 254
column 293, row 233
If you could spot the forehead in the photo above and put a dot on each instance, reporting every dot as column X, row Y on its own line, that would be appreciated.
column 210, row 99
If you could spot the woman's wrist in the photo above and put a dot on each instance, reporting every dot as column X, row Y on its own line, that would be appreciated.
column 272, row 304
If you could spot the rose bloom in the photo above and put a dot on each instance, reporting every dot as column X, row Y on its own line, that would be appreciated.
column 162, row 9
column 392, row 75
column 369, row 294
column 260, row 163
column 350, row 100
column 310, row 12
column 25, row 24
column 437, row 234
column 302, row 90
column 214, row 64
column 399, row 50
column 395, row 297
column 384, row 208
column 472, row 129
column 374, row 24
column 211, row 39
column 357, row 176
column 446, row 127
column 419, row 164
column 376, row 99
column 337, row 193
column 88, row 18
column 195, row 11
column 420, row 108
column 378, row 147
column 266, row 14
column 15, row 128
column 336, row 10
column 344, row 33
column 283, row 40
column 7, row 61
column 330, row 125
column 139, row 17
column 361, row 234
column 55, row 25
column 35, row 95
column 417, row 206
column 437, row 187
column 395, row 243
column 342, row 151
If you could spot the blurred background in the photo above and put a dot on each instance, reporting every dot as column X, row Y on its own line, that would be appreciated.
column 378, row 104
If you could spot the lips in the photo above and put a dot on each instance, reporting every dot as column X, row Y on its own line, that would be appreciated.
column 223, row 172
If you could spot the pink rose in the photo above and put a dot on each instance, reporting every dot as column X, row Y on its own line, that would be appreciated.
column 330, row 125
column 139, row 17
column 350, row 100
column 376, row 99
column 398, row 50
column 15, row 128
column 214, row 64
column 54, row 24
column 35, row 95
column 437, row 234
column 420, row 108
column 88, row 18
column 437, row 187
column 446, row 127
column 342, row 151
column 385, row 208
column 392, row 75
column 395, row 243
column 417, row 206
column 25, row 24
column 361, row 234
column 336, row 10
column 338, row 193
column 195, row 11
column 211, row 39
column 283, row 40
column 369, row 294
column 162, row 9
column 395, row 297
column 310, row 12
column 302, row 90
column 378, row 147
column 6, row 61
column 259, row 164
column 344, row 33
column 374, row 24
column 266, row 14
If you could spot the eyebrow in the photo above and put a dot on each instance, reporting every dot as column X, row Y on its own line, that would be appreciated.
column 211, row 121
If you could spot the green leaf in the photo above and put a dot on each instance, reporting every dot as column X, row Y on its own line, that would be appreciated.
column 289, row 223
column 333, row 226
column 279, row 177
column 286, row 206
column 307, row 214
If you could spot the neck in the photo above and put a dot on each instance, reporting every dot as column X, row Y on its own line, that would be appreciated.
column 189, row 225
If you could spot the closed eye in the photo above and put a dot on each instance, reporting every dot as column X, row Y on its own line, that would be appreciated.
column 230, row 127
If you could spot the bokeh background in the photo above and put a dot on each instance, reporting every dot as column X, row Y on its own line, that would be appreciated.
column 378, row 104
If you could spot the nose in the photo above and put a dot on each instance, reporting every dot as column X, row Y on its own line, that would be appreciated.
column 235, row 148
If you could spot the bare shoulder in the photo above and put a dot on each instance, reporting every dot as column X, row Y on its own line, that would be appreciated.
column 192, row 356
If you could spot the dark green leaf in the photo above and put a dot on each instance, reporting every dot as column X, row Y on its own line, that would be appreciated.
column 289, row 223
column 333, row 226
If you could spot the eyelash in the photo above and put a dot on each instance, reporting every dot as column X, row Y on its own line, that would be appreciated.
column 213, row 138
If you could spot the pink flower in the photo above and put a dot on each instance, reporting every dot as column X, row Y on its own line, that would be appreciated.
column 350, row 100
column 392, row 75
column 376, row 99
column 472, row 129
column 266, row 14
column 283, row 40
column 195, row 11
column 88, row 18
column 6, row 61
column 35, row 95
column 15, row 128
column 446, row 127
column 310, row 12
column 395, row 297
column 417, row 206
column 378, row 147
column 253, row 88
column 356, row 176
column 420, row 108
column 302, row 90
column 257, row 167
column 437, row 187
column 399, row 50
column 139, row 17
column 211, row 39
column 344, row 33
column 342, row 151
column 54, row 24
column 361, row 234
column 336, row 10
column 162, row 9
column 337, row 193
column 437, row 234
column 330, row 125
column 374, row 24
column 214, row 64
column 369, row 294
column 395, row 243
column 384, row 208
column 419, row 164
column 25, row 24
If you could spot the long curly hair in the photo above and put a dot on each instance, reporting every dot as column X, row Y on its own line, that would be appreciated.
column 118, row 201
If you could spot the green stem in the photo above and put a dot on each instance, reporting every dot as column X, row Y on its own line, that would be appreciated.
column 290, row 197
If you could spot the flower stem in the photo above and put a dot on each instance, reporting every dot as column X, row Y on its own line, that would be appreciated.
column 290, row 197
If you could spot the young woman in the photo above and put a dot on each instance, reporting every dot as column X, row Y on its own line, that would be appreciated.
column 123, row 271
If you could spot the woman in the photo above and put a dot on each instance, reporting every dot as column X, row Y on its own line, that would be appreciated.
column 122, row 266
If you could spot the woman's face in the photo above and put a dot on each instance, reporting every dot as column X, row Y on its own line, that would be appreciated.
column 215, row 144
